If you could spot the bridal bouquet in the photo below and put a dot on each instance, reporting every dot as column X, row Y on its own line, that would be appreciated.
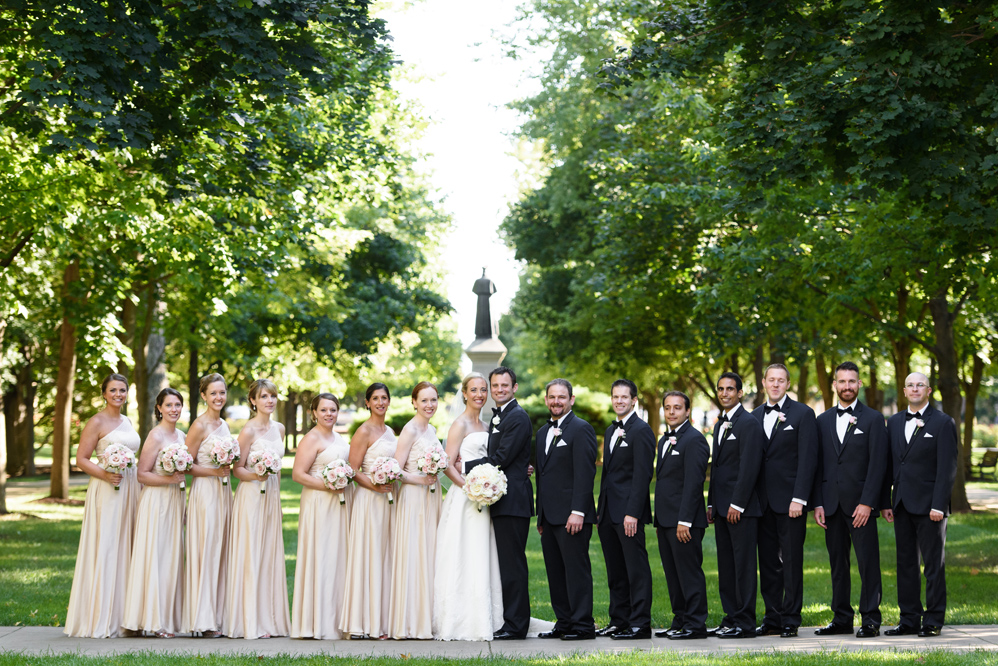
column 336, row 475
column 116, row 458
column 485, row 485
column 263, row 463
column 175, row 458
column 432, row 463
column 223, row 451
column 384, row 471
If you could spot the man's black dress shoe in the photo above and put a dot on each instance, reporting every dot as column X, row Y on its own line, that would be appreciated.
column 929, row 630
column 833, row 629
column 554, row 633
column 901, row 630
column 789, row 631
column 506, row 636
column 632, row 633
column 579, row 637
column 714, row 631
column 768, row 630
column 609, row 630
column 737, row 632
column 868, row 631
column 686, row 634
column 665, row 633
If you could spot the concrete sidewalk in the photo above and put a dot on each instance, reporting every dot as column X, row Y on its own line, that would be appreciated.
column 50, row 640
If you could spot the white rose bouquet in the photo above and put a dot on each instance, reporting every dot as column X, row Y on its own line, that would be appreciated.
column 175, row 458
column 385, row 471
column 337, row 475
column 433, row 462
column 264, row 463
column 223, row 451
column 116, row 458
column 485, row 485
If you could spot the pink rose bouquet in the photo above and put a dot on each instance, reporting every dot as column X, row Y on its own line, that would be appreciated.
column 175, row 458
column 337, row 475
column 433, row 462
column 384, row 471
column 485, row 485
column 223, row 451
column 116, row 458
column 264, row 463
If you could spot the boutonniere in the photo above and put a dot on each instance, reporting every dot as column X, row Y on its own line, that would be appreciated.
column 725, row 426
column 672, row 441
column 919, row 424
column 621, row 434
column 781, row 417
column 495, row 420
column 557, row 432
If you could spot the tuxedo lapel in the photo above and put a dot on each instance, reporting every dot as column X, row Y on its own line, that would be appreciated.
column 918, row 433
column 850, row 429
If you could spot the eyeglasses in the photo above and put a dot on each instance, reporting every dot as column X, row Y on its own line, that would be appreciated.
column 919, row 385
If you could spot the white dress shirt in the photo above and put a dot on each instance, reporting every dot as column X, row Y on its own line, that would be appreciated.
column 615, row 436
column 842, row 420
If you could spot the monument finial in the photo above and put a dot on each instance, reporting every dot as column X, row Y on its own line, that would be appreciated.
column 484, row 327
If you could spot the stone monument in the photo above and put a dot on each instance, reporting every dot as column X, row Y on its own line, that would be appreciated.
column 486, row 352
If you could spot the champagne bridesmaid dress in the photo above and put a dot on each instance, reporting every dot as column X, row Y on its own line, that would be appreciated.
column 368, row 576
column 208, row 514
column 414, row 550
column 155, row 576
column 97, row 600
column 256, row 584
column 320, row 572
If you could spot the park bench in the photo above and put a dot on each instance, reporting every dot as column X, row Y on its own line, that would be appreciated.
column 989, row 461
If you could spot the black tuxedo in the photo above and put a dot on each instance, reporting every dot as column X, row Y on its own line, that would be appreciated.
column 565, row 476
column 851, row 471
column 679, row 477
column 623, row 491
column 788, row 471
column 509, row 449
column 734, row 472
column 923, row 471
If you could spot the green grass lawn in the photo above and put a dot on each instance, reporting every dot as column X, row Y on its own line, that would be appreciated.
column 38, row 551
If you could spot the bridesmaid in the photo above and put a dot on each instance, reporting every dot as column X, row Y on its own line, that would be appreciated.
column 415, row 528
column 97, row 600
column 256, row 585
column 155, row 575
column 320, row 571
column 207, row 518
column 368, row 577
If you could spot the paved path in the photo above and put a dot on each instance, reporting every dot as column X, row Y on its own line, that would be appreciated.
column 50, row 640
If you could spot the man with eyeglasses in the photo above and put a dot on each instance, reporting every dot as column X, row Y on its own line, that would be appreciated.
column 923, row 457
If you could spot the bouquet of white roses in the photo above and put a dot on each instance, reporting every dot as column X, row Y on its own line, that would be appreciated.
column 175, row 458
column 116, row 458
column 485, row 485
column 336, row 475
column 263, row 463
column 433, row 462
column 384, row 471
column 223, row 451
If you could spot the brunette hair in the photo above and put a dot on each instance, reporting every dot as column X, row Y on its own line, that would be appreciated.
column 734, row 376
column 161, row 397
column 375, row 387
column 559, row 382
column 113, row 377
column 208, row 380
column 631, row 386
column 503, row 370
column 467, row 380
column 314, row 405
column 677, row 394
column 256, row 387
column 423, row 385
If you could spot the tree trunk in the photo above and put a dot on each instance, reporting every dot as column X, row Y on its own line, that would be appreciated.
column 823, row 374
column 901, row 357
column 802, row 387
column 874, row 394
column 127, row 338
column 3, row 459
column 148, row 351
column 291, row 421
column 193, row 384
column 970, row 391
column 948, row 378
column 19, row 412
column 64, row 384
column 758, row 367
column 649, row 400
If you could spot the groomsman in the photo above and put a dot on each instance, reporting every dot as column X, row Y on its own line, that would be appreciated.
column 924, row 456
column 509, row 449
column 785, row 484
column 852, row 465
column 733, row 508
column 566, row 469
column 680, row 518
column 623, row 511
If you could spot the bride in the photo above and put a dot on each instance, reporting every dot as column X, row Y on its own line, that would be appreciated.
column 466, row 564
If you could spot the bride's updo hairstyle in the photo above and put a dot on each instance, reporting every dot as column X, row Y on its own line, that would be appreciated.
column 423, row 385
column 257, row 387
column 467, row 380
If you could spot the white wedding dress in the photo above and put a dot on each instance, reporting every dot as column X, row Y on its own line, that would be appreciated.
column 467, row 594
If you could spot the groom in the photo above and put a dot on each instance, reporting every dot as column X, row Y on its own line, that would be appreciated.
column 510, row 433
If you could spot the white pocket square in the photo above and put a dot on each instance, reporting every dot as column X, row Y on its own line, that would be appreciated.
column 561, row 443
column 622, row 445
column 928, row 434
column 858, row 431
column 675, row 453
column 789, row 427
column 730, row 438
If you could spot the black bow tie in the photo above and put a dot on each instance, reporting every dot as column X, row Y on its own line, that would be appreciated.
column 770, row 408
column 723, row 419
column 674, row 433
column 618, row 424
column 554, row 423
column 839, row 411
column 912, row 415
column 495, row 411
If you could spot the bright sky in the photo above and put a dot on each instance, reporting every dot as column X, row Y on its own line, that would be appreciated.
column 463, row 82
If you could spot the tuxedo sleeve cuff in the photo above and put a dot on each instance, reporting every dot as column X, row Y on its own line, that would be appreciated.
column 737, row 508
column 937, row 511
column 578, row 513
column 800, row 501
column 685, row 524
